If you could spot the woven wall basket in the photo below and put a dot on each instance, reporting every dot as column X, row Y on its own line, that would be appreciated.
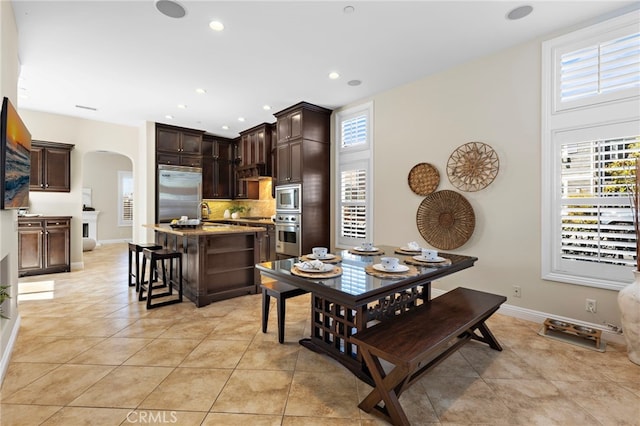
column 473, row 166
column 445, row 219
column 423, row 178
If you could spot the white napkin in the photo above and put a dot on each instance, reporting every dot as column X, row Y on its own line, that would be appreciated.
column 413, row 246
column 312, row 265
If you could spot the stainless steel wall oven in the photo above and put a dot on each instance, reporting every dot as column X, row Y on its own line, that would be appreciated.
column 288, row 236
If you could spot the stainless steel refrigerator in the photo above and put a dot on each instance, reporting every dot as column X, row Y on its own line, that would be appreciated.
column 179, row 192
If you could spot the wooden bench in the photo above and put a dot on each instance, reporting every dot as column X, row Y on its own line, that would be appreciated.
column 417, row 341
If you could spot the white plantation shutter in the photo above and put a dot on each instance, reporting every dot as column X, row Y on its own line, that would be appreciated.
column 125, row 198
column 353, row 195
column 607, row 67
column 597, row 220
column 353, row 217
column 354, row 131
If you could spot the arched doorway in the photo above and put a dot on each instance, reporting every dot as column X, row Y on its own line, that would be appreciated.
column 107, row 187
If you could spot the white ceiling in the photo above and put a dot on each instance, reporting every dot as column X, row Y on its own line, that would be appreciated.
column 134, row 64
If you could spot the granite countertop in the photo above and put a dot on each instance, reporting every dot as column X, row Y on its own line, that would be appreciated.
column 245, row 220
column 206, row 229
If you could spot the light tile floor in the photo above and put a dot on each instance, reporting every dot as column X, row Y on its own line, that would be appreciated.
column 89, row 353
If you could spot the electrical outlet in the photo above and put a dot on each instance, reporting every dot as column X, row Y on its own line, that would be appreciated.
column 517, row 291
column 590, row 306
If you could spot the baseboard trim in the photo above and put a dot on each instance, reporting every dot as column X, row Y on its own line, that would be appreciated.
column 539, row 317
column 6, row 352
column 123, row 240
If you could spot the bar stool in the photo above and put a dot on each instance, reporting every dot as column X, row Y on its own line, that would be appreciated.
column 134, row 279
column 157, row 260
column 281, row 292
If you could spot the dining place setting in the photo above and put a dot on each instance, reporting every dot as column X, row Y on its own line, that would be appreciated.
column 321, row 264
column 318, row 264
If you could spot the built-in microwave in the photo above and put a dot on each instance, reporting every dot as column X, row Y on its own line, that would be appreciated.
column 289, row 198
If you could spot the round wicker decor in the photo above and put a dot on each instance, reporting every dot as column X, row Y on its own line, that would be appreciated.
column 473, row 166
column 423, row 178
column 445, row 219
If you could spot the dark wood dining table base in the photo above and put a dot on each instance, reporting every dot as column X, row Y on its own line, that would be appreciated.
column 333, row 324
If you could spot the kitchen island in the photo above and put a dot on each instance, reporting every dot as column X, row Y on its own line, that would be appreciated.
column 218, row 259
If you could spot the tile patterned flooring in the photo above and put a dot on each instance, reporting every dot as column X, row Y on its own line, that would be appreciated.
column 89, row 353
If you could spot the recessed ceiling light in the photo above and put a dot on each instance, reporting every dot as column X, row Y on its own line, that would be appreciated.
column 216, row 25
column 170, row 8
column 349, row 9
column 201, row 91
column 182, row 106
column 354, row 82
column 334, row 75
column 519, row 12
column 225, row 127
column 240, row 118
column 170, row 117
column 267, row 107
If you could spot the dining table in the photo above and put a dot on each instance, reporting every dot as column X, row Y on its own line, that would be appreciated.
column 357, row 293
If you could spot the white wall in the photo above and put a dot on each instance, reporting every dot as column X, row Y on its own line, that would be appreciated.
column 495, row 100
column 87, row 136
column 9, row 68
column 100, row 174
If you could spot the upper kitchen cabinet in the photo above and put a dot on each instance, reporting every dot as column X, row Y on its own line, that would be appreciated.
column 217, row 167
column 254, row 152
column 303, row 134
column 50, row 166
column 178, row 146
column 303, row 121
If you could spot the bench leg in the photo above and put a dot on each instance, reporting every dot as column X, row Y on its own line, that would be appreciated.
column 487, row 337
column 388, row 388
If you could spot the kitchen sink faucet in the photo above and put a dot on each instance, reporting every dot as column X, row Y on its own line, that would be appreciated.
column 203, row 206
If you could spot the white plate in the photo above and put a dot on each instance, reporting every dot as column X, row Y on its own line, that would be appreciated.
column 424, row 259
column 327, row 257
column 365, row 250
column 325, row 268
column 399, row 268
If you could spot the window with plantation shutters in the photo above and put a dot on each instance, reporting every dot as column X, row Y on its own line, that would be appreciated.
column 597, row 68
column 125, row 198
column 597, row 184
column 353, row 190
column 353, row 176
column 354, row 131
column 590, row 145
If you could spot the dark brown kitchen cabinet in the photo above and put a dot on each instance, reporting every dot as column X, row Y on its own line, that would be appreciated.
column 178, row 146
column 44, row 245
column 289, row 162
column 303, row 157
column 50, row 166
column 255, row 150
column 289, row 126
column 303, row 143
column 217, row 167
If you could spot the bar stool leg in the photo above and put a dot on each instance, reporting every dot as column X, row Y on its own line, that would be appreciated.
column 130, row 281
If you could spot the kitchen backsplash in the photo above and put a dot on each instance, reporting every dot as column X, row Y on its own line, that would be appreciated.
column 264, row 207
